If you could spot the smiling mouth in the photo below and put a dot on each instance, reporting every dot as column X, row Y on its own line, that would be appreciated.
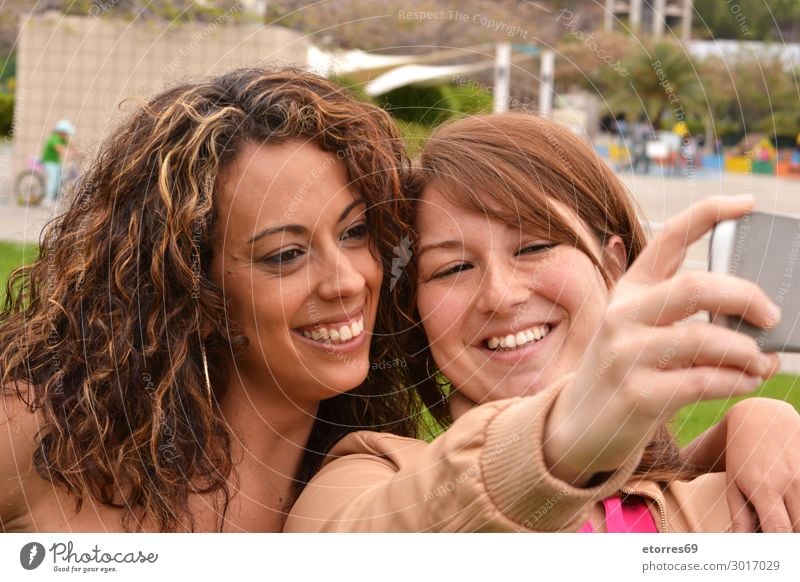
column 520, row 339
column 338, row 334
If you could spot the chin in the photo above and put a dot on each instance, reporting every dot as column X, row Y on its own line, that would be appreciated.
column 342, row 378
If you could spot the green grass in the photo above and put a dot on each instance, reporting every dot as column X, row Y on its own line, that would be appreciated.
column 13, row 255
column 694, row 419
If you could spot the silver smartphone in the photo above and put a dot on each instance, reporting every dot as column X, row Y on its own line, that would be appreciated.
column 764, row 248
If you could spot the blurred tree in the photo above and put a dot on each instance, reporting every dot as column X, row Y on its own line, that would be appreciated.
column 767, row 20
column 766, row 96
column 662, row 85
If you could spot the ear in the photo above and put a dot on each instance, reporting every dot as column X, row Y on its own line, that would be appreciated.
column 615, row 258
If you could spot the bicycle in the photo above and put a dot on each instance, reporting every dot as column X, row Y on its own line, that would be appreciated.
column 30, row 185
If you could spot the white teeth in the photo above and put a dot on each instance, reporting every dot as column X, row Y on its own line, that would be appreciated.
column 343, row 333
column 521, row 338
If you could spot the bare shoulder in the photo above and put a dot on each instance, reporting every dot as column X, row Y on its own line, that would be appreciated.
column 18, row 430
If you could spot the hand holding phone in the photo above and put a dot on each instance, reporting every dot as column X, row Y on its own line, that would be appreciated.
column 763, row 248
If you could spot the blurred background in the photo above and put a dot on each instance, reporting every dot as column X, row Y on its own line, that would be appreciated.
column 683, row 98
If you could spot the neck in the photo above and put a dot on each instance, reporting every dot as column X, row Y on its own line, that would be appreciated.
column 269, row 435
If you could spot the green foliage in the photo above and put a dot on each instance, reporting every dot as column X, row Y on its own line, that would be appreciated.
column 469, row 99
column 356, row 88
column 434, row 104
column 750, row 94
column 414, row 134
column 8, row 73
column 776, row 20
column 6, row 113
column 8, row 67
column 427, row 105
column 417, row 110
column 662, row 84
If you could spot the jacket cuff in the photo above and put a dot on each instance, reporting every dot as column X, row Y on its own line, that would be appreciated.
column 518, row 480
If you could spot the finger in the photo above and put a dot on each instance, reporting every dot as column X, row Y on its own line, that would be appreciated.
column 664, row 392
column 687, row 293
column 702, row 345
column 743, row 516
column 772, row 513
column 792, row 500
column 775, row 359
column 662, row 257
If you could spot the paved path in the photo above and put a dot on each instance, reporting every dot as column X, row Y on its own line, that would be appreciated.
column 17, row 223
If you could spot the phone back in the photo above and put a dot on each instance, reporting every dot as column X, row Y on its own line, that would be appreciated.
column 764, row 248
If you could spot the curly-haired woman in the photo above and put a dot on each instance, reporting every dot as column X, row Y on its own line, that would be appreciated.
column 196, row 316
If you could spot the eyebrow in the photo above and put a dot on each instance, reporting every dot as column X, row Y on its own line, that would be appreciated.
column 299, row 229
column 349, row 209
column 445, row 244
column 293, row 228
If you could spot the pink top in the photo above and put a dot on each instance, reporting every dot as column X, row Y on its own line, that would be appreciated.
column 632, row 517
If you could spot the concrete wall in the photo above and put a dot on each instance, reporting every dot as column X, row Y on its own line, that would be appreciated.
column 82, row 68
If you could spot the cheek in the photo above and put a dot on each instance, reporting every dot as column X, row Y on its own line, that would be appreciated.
column 369, row 268
column 579, row 291
column 264, row 307
column 440, row 310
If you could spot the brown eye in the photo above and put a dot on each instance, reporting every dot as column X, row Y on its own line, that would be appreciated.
column 535, row 248
column 284, row 258
column 358, row 231
column 452, row 270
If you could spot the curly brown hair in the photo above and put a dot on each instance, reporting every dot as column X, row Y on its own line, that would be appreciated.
column 509, row 166
column 102, row 334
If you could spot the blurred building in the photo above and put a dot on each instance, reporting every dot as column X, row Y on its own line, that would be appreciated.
column 85, row 68
column 651, row 17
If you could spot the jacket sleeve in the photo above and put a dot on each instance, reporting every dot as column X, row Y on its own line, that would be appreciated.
column 485, row 473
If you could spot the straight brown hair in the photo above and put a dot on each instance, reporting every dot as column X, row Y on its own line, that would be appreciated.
column 512, row 167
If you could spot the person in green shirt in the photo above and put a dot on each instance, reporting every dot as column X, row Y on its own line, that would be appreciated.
column 53, row 157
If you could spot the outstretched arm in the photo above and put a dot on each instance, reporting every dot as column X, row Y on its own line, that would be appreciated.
column 485, row 473
column 640, row 367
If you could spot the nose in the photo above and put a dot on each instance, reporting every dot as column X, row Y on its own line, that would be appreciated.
column 503, row 288
column 342, row 278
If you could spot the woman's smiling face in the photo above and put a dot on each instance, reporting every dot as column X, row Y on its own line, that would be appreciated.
column 297, row 268
column 506, row 312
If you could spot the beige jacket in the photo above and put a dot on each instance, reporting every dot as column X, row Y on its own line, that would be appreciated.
column 485, row 473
